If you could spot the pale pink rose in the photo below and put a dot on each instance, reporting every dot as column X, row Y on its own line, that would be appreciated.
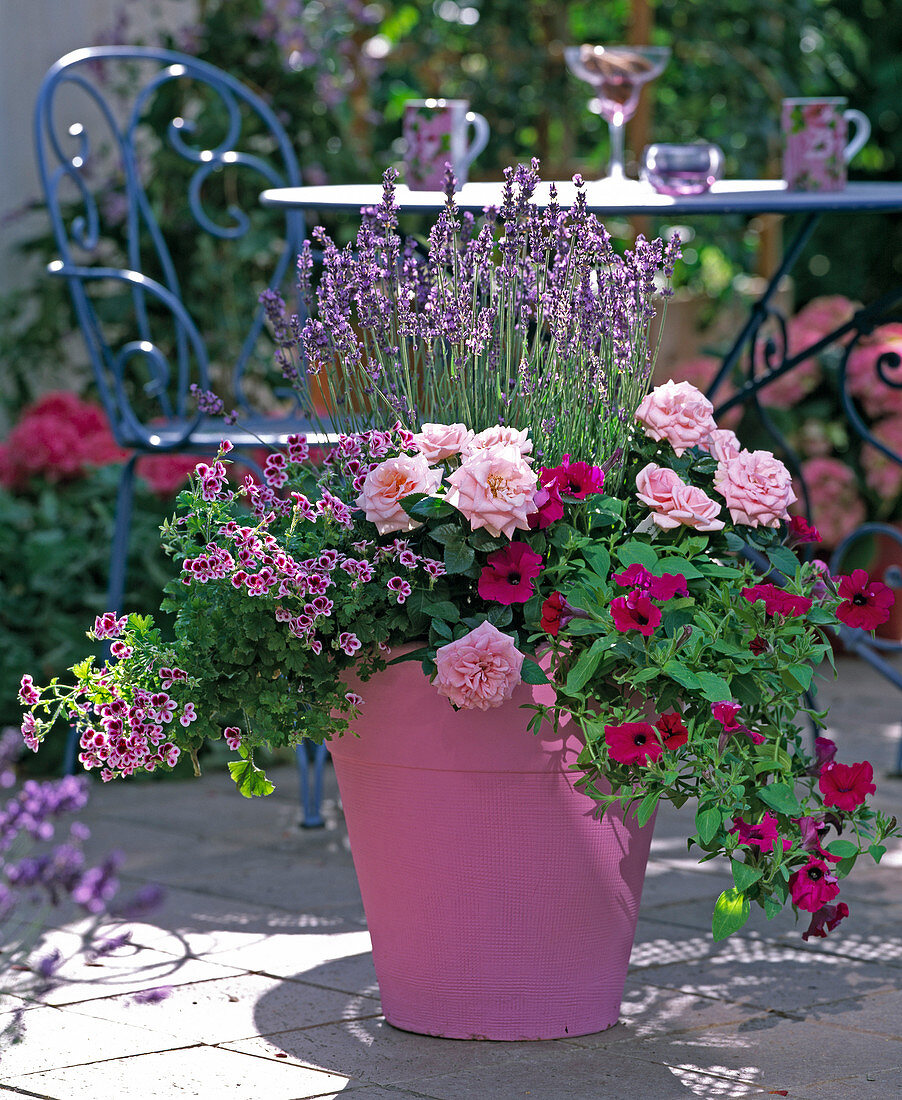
column 757, row 488
column 494, row 489
column 673, row 502
column 701, row 370
column 439, row 441
column 836, row 504
column 721, row 444
column 386, row 486
column 500, row 437
column 677, row 412
column 479, row 670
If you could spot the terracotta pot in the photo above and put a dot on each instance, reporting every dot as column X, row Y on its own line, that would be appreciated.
column 499, row 906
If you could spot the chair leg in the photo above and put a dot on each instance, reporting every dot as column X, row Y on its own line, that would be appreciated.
column 311, row 786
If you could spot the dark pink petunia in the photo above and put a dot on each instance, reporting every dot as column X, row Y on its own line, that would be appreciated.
column 725, row 713
column 549, row 508
column 865, row 603
column 762, row 836
column 811, row 830
column 672, row 730
column 634, row 576
column 632, row 743
column 635, row 612
column 826, row 919
column 508, row 574
column 800, row 531
column 661, row 588
column 759, row 645
column 573, row 479
column 824, row 752
column 552, row 610
column 813, row 886
column 777, row 601
column 846, row 786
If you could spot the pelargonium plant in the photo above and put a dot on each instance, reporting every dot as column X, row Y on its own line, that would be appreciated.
column 525, row 511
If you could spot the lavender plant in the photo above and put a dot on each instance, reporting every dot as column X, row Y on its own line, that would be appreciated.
column 533, row 318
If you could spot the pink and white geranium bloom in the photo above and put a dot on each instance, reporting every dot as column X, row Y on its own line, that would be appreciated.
column 494, row 489
column 480, row 670
column 673, row 502
column 678, row 413
column 757, row 488
column 386, row 486
column 436, row 442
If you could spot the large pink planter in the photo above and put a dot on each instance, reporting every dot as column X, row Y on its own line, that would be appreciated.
column 499, row 907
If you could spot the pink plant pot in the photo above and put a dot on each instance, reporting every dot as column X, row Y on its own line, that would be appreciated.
column 498, row 905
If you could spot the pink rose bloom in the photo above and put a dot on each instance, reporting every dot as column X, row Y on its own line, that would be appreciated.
column 386, row 486
column 757, row 488
column 876, row 397
column 500, row 436
column 836, row 505
column 677, row 412
column 701, row 370
column 721, row 444
column 480, row 670
column 673, row 502
column 494, row 489
column 439, row 441
column 880, row 472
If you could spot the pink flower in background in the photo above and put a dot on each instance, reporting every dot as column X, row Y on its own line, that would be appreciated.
column 881, row 473
column 439, row 441
column 480, row 670
column 508, row 574
column 836, row 506
column 494, row 489
column 678, row 413
column 700, row 371
column 386, row 486
column 673, row 502
column 167, row 473
column 721, row 444
column 757, row 488
column 876, row 397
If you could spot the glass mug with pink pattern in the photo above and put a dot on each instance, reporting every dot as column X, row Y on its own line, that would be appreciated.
column 815, row 146
column 436, row 133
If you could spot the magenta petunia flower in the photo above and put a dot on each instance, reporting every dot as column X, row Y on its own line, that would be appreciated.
column 826, row 919
column 725, row 713
column 661, row 588
column 508, row 574
column 846, row 786
column 635, row 612
column 672, row 730
column 777, row 601
column 799, row 531
column 813, row 886
column 550, row 509
column 573, row 479
column 865, row 603
column 632, row 743
column 762, row 836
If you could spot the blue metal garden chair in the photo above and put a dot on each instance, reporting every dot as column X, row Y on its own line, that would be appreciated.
column 105, row 118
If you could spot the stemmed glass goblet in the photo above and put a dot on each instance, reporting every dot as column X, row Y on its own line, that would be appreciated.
column 616, row 75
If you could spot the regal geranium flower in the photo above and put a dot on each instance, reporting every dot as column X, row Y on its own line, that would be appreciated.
column 480, row 670
column 672, row 730
column 813, row 886
column 846, row 786
column 762, row 836
column 865, row 603
column 494, row 489
column 677, row 412
column 825, row 920
column 777, row 601
column 508, row 574
column 549, row 508
column 573, row 479
column 632, row 743
column 635, row 612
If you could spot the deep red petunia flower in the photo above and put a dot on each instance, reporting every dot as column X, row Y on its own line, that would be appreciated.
column 826, row 919
column 632, row 743
column 813, row 886
column 799, row 531
column 508, row 574
column 573, row 479
column 552, row 610
column 777, row 601
column 865, row 603
column 846, row 786
column 549, row 508
column 635, row 612
column 672, row 730
column 759, row 645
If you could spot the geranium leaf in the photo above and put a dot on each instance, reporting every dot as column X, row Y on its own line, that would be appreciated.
column 744, row 875
column 531, row 673
column 446, row 532
column 442, row 609
column 714, row 688
column 781, row 798
column 250, row 780
column 458, row 555
column 731, row 911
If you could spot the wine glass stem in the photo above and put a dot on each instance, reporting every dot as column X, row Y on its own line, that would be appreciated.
column 615, row 168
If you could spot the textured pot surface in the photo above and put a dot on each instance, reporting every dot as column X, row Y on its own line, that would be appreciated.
column 498, row 906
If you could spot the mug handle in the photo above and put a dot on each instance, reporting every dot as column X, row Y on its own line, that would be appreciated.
column 862, row 132
column 480, row 138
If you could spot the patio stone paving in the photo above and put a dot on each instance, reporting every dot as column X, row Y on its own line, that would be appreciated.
column 262, row 943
